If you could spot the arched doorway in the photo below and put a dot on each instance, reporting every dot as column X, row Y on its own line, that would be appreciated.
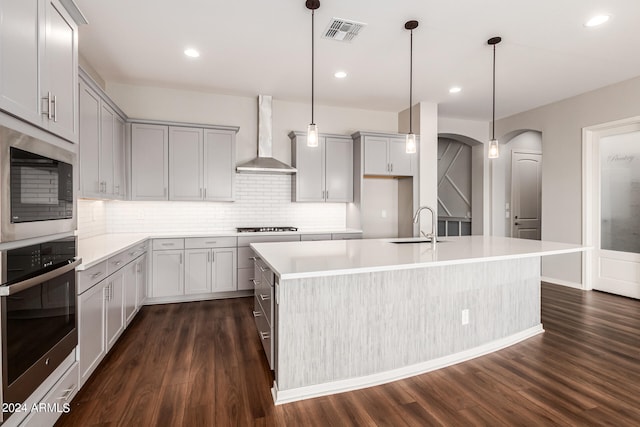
column 460, row 185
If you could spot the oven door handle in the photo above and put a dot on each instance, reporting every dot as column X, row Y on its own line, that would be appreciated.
column 34, row 281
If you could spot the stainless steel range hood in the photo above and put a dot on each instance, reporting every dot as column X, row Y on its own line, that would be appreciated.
column 265, row 163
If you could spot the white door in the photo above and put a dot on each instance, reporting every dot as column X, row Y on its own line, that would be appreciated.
column 526, row 195
column 616, row 210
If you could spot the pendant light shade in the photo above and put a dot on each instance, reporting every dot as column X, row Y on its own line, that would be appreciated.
column 410, row 144
column 312, row 129
column 494, row 147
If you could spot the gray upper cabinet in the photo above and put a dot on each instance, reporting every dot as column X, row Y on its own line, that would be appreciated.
column 192, row 163
column 385, row 155
column 101, row 146
column 201, row 164
column 185, row 163
column 38, row 68
column 149, row 162
column 325, row 173
column 219, row 164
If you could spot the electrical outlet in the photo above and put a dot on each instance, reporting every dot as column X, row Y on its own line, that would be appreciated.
column 383, row 213
column 465, row 316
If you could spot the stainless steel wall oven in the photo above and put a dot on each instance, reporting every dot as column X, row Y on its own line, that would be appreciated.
column 38, row 319
column 36, row 187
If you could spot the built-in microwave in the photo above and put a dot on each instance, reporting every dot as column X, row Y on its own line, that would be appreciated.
column 36, row 187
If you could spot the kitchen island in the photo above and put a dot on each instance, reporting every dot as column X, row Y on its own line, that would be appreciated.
column 352, row 314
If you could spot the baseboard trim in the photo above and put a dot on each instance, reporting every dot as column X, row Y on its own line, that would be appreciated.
column 561, row 282
column 197, row 297
column 308, row 392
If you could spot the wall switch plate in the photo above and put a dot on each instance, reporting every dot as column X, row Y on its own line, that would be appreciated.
column 506, row 215
column 465, row 316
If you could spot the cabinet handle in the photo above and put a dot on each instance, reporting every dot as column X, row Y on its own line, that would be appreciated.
column 256, row 313
column 117, row 263
column 264, row 335
column 167, row 244
column 262, row 268
column 265, row 297
column 180, row 258
column 94, row 275
column 48, row 112
column 391, row 167
column 255, row 282
column 252, row 258
column 205, row 193
column 326, row 195
column 213, row 257
column 211, row 243
column 67, row 393
column 200, row 193
column 55, row 108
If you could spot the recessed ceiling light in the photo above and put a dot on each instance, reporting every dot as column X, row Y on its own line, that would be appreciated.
column 191, row 53
column 340, row 74
column 597, row 20
column 455, row 89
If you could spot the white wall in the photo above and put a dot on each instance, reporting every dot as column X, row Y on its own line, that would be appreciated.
column 561, row 125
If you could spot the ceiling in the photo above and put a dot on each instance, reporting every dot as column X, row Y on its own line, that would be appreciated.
column 251, row 47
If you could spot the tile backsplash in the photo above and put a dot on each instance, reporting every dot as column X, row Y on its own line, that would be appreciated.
column 261, row 200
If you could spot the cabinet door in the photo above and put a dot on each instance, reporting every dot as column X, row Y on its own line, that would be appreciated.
column 310, row 176
column 107, row 125
column 114, row 315
column 130, row 289
column 59, row 70
column 224, row 269
column 338, row 169
column 141, row 281
column 400, row 162
column 149, row 162
column 219, row 165
column 19, row 49
column 185, row 163
column 375, row 156
column 91, row 339
column 197, row 271
column 89, row 143
column 119, row 158
column 168, row 273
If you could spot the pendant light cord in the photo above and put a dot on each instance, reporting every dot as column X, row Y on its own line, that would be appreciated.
column 411, row 84
column 312, row 61
column 493, row 123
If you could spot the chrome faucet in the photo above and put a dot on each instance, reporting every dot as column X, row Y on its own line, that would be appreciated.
column 433, row 235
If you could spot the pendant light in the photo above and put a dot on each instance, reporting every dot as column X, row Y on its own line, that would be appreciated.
column 494, row 148
column 312, row 129
column 410, row 144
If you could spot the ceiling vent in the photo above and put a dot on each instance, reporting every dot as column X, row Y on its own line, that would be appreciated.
column 342, row 30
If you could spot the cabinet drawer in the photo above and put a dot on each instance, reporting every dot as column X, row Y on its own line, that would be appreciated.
column 245, row 276
column 264, row 333
column 135, row 251
column 166, row 244
column 264, row 295
column 245, row 257
column 59, row 396
column 210, row 242
column 346, row 236
column 117, row 261
column 310, row 237
column 262, row 273
column 247, row 240
column 89, row 277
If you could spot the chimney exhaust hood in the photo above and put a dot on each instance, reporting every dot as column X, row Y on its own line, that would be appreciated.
column 265, row 163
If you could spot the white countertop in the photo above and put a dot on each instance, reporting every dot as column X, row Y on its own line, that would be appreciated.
column 293, row 260
column 94, row 250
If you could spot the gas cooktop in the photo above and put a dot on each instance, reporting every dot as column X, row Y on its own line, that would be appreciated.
column 264, row 229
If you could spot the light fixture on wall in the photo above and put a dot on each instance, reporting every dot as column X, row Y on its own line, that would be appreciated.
column 410, row 145
column 312, row 129
column 494, row 148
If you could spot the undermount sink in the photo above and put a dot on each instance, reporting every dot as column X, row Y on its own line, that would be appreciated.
column 413, row 240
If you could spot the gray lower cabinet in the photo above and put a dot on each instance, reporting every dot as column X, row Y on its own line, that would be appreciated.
column 106, row 305
column 263, row 311
column 149, row 162
column 168, row 273
column 385, row 154
column 38, row 65
column 325, row 173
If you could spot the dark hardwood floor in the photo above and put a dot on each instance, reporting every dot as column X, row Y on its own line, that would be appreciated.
column 201, row 364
